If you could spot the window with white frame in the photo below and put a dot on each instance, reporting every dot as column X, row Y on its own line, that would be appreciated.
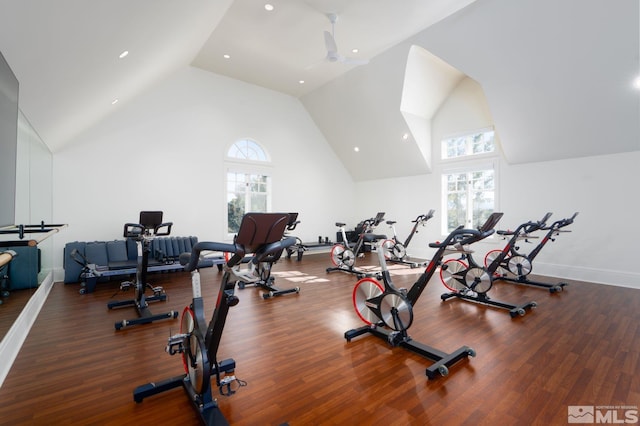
column 469, row 144
column 469, row 179
column 248, row 182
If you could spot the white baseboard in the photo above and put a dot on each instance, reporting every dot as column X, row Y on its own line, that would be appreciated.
column 592, row 275
column 15, row 337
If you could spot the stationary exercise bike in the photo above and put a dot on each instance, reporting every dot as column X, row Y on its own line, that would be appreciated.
column 469, row 281
column 262, row 269
column 510, row 261
column 198, row 342
column 344, row 254
column 150, row 226
column 388, row 311
column 396, row 251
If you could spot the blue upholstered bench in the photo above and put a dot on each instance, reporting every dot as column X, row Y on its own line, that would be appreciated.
column 120, row 257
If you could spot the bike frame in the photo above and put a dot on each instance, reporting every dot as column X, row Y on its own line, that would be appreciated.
column 393, row 308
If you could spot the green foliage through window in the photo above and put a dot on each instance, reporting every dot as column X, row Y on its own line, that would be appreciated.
column 470, row 198
column 481, row 142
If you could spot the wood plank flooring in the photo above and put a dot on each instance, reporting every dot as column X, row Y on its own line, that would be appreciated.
column 579, row 347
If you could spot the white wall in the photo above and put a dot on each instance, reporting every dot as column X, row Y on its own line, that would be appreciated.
column 601, row 246
column 165, row 150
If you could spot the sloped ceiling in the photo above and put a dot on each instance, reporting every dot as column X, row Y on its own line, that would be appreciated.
column 556, row 74
column 65, row 54
column 557, row 77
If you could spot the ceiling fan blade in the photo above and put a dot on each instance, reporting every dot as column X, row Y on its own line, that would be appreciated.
column 332, row 47
column 330, row 43
column 353, row 61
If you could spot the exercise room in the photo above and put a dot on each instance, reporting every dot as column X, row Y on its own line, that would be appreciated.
column 319, row 212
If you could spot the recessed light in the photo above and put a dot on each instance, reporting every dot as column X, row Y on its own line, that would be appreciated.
column 113, row 102
column 356, row 149
column 123, row 54
column 268, row 7
column 355, row 50
column 636, row 82
column 405, row 137
column 226, row 56
column 301, row 81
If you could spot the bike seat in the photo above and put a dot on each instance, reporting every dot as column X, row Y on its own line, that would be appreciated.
column 340, row 224
column 391, row 222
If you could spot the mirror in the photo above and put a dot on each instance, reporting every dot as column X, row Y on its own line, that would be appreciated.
column 34, row 196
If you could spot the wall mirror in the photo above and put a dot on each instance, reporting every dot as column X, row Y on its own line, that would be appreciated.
column 34, row 204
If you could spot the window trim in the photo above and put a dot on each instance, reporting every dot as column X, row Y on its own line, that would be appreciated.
column 245, row 160
column 247, row 167
column 466, row 166
column 472, row 157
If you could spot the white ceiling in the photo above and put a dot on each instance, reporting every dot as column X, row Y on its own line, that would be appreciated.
column 544, row 65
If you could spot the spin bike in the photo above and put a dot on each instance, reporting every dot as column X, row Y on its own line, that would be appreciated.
column 198, row 342
column 262, row 270
column 343, row 255
column 388, row 311
column 510, row 261
column 150, row 226
column 471, row 282
column 396, row 251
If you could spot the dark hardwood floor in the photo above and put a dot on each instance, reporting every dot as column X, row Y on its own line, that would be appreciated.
column 580, row 347
column 12, row 306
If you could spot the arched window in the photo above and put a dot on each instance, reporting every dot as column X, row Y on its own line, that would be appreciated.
column 248, row 182
column 247, row 149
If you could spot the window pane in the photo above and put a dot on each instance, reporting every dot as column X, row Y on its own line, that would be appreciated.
column 235, row 211
column 258, row 183
column 471, row 144
column 456, row 210
column 259, row 203
column 483, row 202
column 247, row 149
column 470, row 198
column 245, row 192
column 456, row 200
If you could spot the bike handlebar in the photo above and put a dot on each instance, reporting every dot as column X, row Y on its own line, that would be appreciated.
column 190, row 260
column 463, row 236
column 136, row 230
column 424, row 217
column 562, row 222
column 528, row 227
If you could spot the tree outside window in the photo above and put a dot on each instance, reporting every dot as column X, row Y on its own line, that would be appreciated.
column 469, row 191
column 246, row 192
column 248, row 186
column 470, row 197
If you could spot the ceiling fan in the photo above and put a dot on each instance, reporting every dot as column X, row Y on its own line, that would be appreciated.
column 332, row 47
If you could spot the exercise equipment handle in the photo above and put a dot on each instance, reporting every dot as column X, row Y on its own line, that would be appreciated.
column 264, row 251
column 468, row 236
column 190, row 260
column 424, row 217
column 562, row 222
column 530, row 227
column 133, row 230
column 162, row 229
column 6, row 257
column 462, row 237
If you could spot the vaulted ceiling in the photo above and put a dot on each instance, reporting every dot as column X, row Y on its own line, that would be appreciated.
column 556, row 74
